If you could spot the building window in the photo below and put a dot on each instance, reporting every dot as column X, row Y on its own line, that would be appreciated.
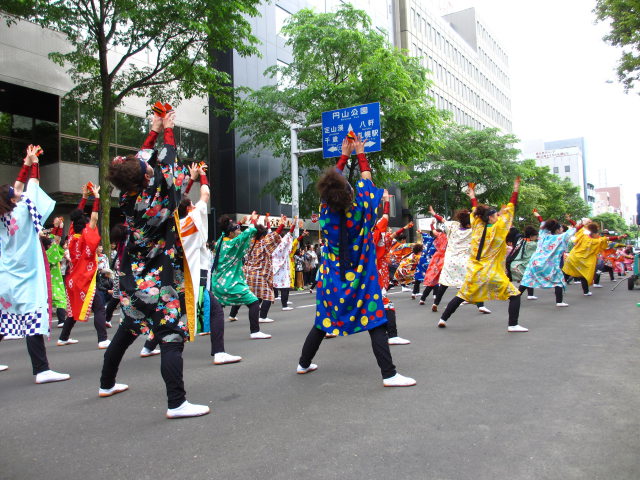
column 281, row 18
column 556, row 170
column 567, row 168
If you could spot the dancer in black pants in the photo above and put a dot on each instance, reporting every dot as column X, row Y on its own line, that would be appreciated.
column 350, row 277
column 150, row 264
column 486, row 278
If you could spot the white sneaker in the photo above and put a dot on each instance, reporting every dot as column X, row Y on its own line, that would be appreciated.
column 202, row 334
column 398, row 341
column 71, row 341
column 442, row 324
column 4, row 367
column 104, row 344
column 517, row 328
column 117, row 388
column 434, row 308
column 532, row 297
column 588, row 294
column 49, row 376
column 145, row 352
column 405, row 289
column 260, row 336
column 233, row 319
column 12, row 337
column 421, row 302
column 465, row 303
column 223, row 358
column 562, row 304
column 188, row 410
column 266, row 320
column 286, row 309
column 484, row 310
column 330, row 335
column 289, row 304
column 60, row 325
column 398, row 381
column 596, row 285
column 413, row 296
column 108, row 324
column 311, row 368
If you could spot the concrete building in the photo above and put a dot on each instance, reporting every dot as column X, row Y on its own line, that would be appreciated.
column 470, row 66
column 564, row 158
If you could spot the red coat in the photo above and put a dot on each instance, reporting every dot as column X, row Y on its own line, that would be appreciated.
column 81, row 276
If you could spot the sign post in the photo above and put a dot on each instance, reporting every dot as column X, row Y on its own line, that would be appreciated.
column 363, row 120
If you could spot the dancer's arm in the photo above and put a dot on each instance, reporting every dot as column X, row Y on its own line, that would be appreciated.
column 152, row 137
column 25, row 171
column 363, row 163
column 572, row 222
column 516, row 191
column 537, row 215
column 402, row 229
column 93, row 221
column 472, row 195
column 435, row 215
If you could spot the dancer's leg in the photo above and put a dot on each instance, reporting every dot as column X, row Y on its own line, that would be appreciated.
column 514, row 310
column 425, row 293
column 392, row 327
column 254, row 313
column 380, row 346
column 284, row 297
column 171, row 367
column 264, row 308
column 451, row 307
column 439, row 294
column 311, row 345
column 99, row 317
column 234, row 311
column 37, row 353
column 559, row 294
column 113, row 356
column 66, row 328
column 217, row 326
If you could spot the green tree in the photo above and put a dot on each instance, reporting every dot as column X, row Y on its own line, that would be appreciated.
column 339, row 60
column 624, row 18
column 612, row 222
column 552, row 196
column 484, row 157
column 106, row 37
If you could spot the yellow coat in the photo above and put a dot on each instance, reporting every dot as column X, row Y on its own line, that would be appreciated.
column 581, row 261
column 292, row 264
column 486, row 279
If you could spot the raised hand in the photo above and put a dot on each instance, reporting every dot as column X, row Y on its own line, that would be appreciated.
column 385, row 195
column 301, row 223
column 359, row 144
column 156, row 123
column 305, row 233
column 347, row 147
column 516, row 184
column 169, row 120
column 432, row 212
column 254, row 216
column 283, row 220
column 85, row 191
column 96, row 191
column 409, row 225
column 193, row 171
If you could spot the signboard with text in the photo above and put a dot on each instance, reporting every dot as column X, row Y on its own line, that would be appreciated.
column 363, row 120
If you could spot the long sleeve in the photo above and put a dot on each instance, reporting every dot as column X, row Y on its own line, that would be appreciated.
column 150, row 141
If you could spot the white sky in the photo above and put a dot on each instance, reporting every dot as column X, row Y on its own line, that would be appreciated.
column 559, row 66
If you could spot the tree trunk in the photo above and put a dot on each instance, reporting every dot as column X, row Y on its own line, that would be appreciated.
column 105, row 186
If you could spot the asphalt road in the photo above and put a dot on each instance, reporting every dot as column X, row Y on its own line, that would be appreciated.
column 559, row 402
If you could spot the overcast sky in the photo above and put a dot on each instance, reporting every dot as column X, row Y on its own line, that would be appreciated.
column 559, row 66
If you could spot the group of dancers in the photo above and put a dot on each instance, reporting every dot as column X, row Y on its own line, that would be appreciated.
column 170, row 286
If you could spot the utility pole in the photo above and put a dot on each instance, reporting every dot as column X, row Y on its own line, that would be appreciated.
column 295, row 153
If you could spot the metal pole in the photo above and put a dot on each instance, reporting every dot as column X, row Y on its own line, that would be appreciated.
column 295, row 204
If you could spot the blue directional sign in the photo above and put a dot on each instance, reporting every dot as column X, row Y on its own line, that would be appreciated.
column 364, row 120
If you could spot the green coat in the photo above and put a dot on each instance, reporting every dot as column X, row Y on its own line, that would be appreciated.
column 55, row 253
column 228, row 284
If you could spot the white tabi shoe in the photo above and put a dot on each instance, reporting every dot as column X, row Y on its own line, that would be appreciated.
column 311, row 368
column 286, row 309
column 49, row 376
column 405, row 289
column 104, row 344
column 562, row 304
column 442, row 324
column 421, row 302
column 260, row 336
column 588, row 294
column 517, row 329
column 596, row 285
column 187, row 410
column 532, row 297
column 71, row 341
column 4, row 367
column 233, row 319
column 117, row 388
column 398, row 341
column 484, row 310
column 222, row 358
column 266, row 320
column 399, row 381
column 145, row 352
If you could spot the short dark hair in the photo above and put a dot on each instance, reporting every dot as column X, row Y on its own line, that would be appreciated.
column 593, row 227
column 335, row 190
column 530, row 231
column 183, row 206
column 417, row 248
column 463, row 217
column 483, row 212
column 126, row 175
column 552, row 225
column 78, row 220
column 6, row 205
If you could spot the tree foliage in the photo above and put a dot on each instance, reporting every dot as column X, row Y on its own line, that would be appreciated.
column 612, row 222
column 624, row 19
column 108, row 38
column 465, row 155
column 487, row 158
column 339, row 60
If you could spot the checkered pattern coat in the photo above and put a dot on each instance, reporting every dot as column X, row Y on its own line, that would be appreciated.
column 258, row 269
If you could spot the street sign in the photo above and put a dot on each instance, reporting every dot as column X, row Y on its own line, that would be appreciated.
column 364, row 120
